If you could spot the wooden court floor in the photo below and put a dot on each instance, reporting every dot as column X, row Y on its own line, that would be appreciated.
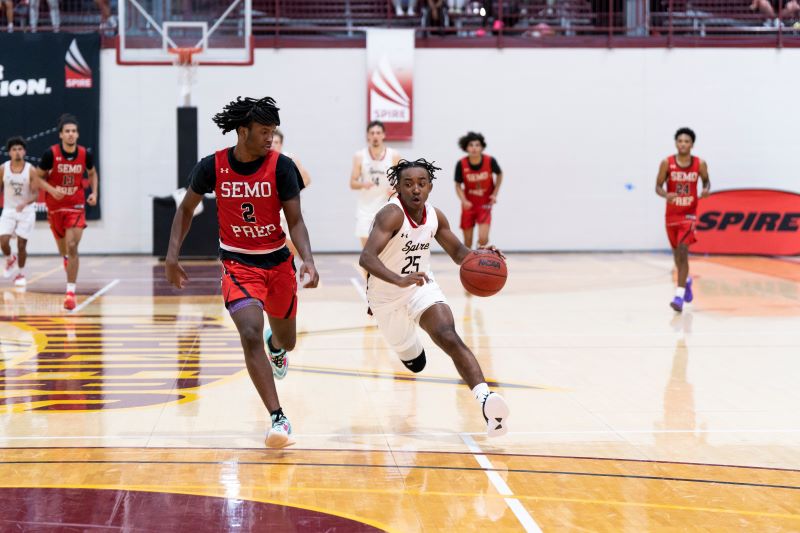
column 135, row 413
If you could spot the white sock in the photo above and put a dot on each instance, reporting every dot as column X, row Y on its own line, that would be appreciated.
column 680, row 292
column 481, row 391
column 71, row 288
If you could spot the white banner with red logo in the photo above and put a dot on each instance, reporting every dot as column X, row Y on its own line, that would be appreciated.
column 390, row 80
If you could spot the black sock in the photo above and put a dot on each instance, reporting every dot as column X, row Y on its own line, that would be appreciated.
column 277, row 413
column 270, row 346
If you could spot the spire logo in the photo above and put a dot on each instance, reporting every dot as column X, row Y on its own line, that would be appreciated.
column 389, row 100
column 77, row 74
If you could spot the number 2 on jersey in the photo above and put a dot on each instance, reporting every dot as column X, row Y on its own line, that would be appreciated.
column 411, row 260
column 247, row 212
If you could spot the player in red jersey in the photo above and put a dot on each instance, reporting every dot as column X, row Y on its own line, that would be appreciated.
column 680, row 173
column 60, row 174
column 478, row 179
column 252, row 184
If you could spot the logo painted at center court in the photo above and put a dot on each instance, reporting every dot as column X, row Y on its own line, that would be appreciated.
column 77, row 73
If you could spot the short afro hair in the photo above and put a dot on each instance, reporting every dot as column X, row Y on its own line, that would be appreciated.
column 464, row 141
column 685, row 131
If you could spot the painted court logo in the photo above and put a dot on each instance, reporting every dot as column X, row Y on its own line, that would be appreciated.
column 90, row 363
column 77, row 73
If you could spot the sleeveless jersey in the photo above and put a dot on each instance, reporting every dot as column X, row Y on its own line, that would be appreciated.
column 17, row 188
column 478, row 184
column 370, row 201
column 67, row 177
column 683, row 182
column 407, row 252
column 248, row 207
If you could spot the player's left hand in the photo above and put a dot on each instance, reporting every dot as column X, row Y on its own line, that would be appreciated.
column 492, row 199
column 492, row 248
column 313, row 276
column 92, row 199
column 705, row 193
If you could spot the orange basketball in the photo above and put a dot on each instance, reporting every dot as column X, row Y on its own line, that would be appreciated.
column 483, row 273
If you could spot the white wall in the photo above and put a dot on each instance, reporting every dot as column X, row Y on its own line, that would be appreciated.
column 570, row 127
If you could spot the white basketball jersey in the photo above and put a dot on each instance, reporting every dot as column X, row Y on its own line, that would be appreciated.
column 17, row 187
column 407, row 252
column 371, row 200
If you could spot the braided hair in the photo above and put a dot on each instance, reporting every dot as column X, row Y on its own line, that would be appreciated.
column 393, row 174
column 242, row 111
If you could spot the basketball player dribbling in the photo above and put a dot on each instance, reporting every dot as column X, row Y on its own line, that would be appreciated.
column 252, row 184
column 478, row 178
column 402, row 292
column 60, row 174
column 680, row 173
column 19, row 213
column 368, row 177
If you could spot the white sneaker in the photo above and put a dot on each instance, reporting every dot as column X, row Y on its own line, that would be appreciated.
column 11, row 266
column 20, row 281
column 495, row 412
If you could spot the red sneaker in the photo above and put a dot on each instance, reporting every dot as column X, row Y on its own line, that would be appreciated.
column 70, row 302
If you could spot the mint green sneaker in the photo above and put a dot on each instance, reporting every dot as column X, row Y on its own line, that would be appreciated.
column 280, row 434
column 278, row 361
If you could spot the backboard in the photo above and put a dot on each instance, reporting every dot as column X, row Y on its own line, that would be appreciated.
column 149, row 29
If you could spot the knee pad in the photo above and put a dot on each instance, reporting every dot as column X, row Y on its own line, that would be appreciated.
column 417, row 364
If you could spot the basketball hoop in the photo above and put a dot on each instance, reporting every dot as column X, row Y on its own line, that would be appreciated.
column 185, row 58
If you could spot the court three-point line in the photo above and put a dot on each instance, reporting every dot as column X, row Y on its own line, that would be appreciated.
column 522, row 514
column 93, row 297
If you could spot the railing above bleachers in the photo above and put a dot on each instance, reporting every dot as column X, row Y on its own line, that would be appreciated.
column 498, row 23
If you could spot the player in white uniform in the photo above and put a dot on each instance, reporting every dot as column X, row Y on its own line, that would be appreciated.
column 277, row 146
column 402, row 292
column 19, row 213
column 368, row 177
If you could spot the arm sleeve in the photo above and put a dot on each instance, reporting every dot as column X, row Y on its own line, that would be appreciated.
column 89, row 160
column 459, row 175
column 47, row 160
column 203, row 179
column 496, row 167
column 287, row 178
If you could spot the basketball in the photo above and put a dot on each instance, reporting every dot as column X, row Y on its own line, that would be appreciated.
column 483, row 273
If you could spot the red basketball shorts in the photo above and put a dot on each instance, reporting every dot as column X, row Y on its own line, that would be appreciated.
column 64, row 219
column 275, row 288
column 477, row 214
column 681, row 232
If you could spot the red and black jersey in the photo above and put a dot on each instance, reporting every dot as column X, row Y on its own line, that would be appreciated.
column 683, row 182
column 66, row 175
column 248, row 207
column 478, row 183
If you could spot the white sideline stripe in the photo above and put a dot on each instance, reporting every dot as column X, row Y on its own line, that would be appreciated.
column 527, row 521
column 360, row 289
column 96, row 295
column 387, row 435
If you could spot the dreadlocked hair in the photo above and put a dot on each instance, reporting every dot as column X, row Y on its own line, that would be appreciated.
column 242, row 111
column 393, row 174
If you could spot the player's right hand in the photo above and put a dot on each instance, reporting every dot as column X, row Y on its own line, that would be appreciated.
column 58, row 195
column 175, row 273
column 415, row 278
column 367, row 185
column 466, row 204
column 671, row 197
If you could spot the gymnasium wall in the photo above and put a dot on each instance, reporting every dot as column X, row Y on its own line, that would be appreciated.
column 579, row 134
